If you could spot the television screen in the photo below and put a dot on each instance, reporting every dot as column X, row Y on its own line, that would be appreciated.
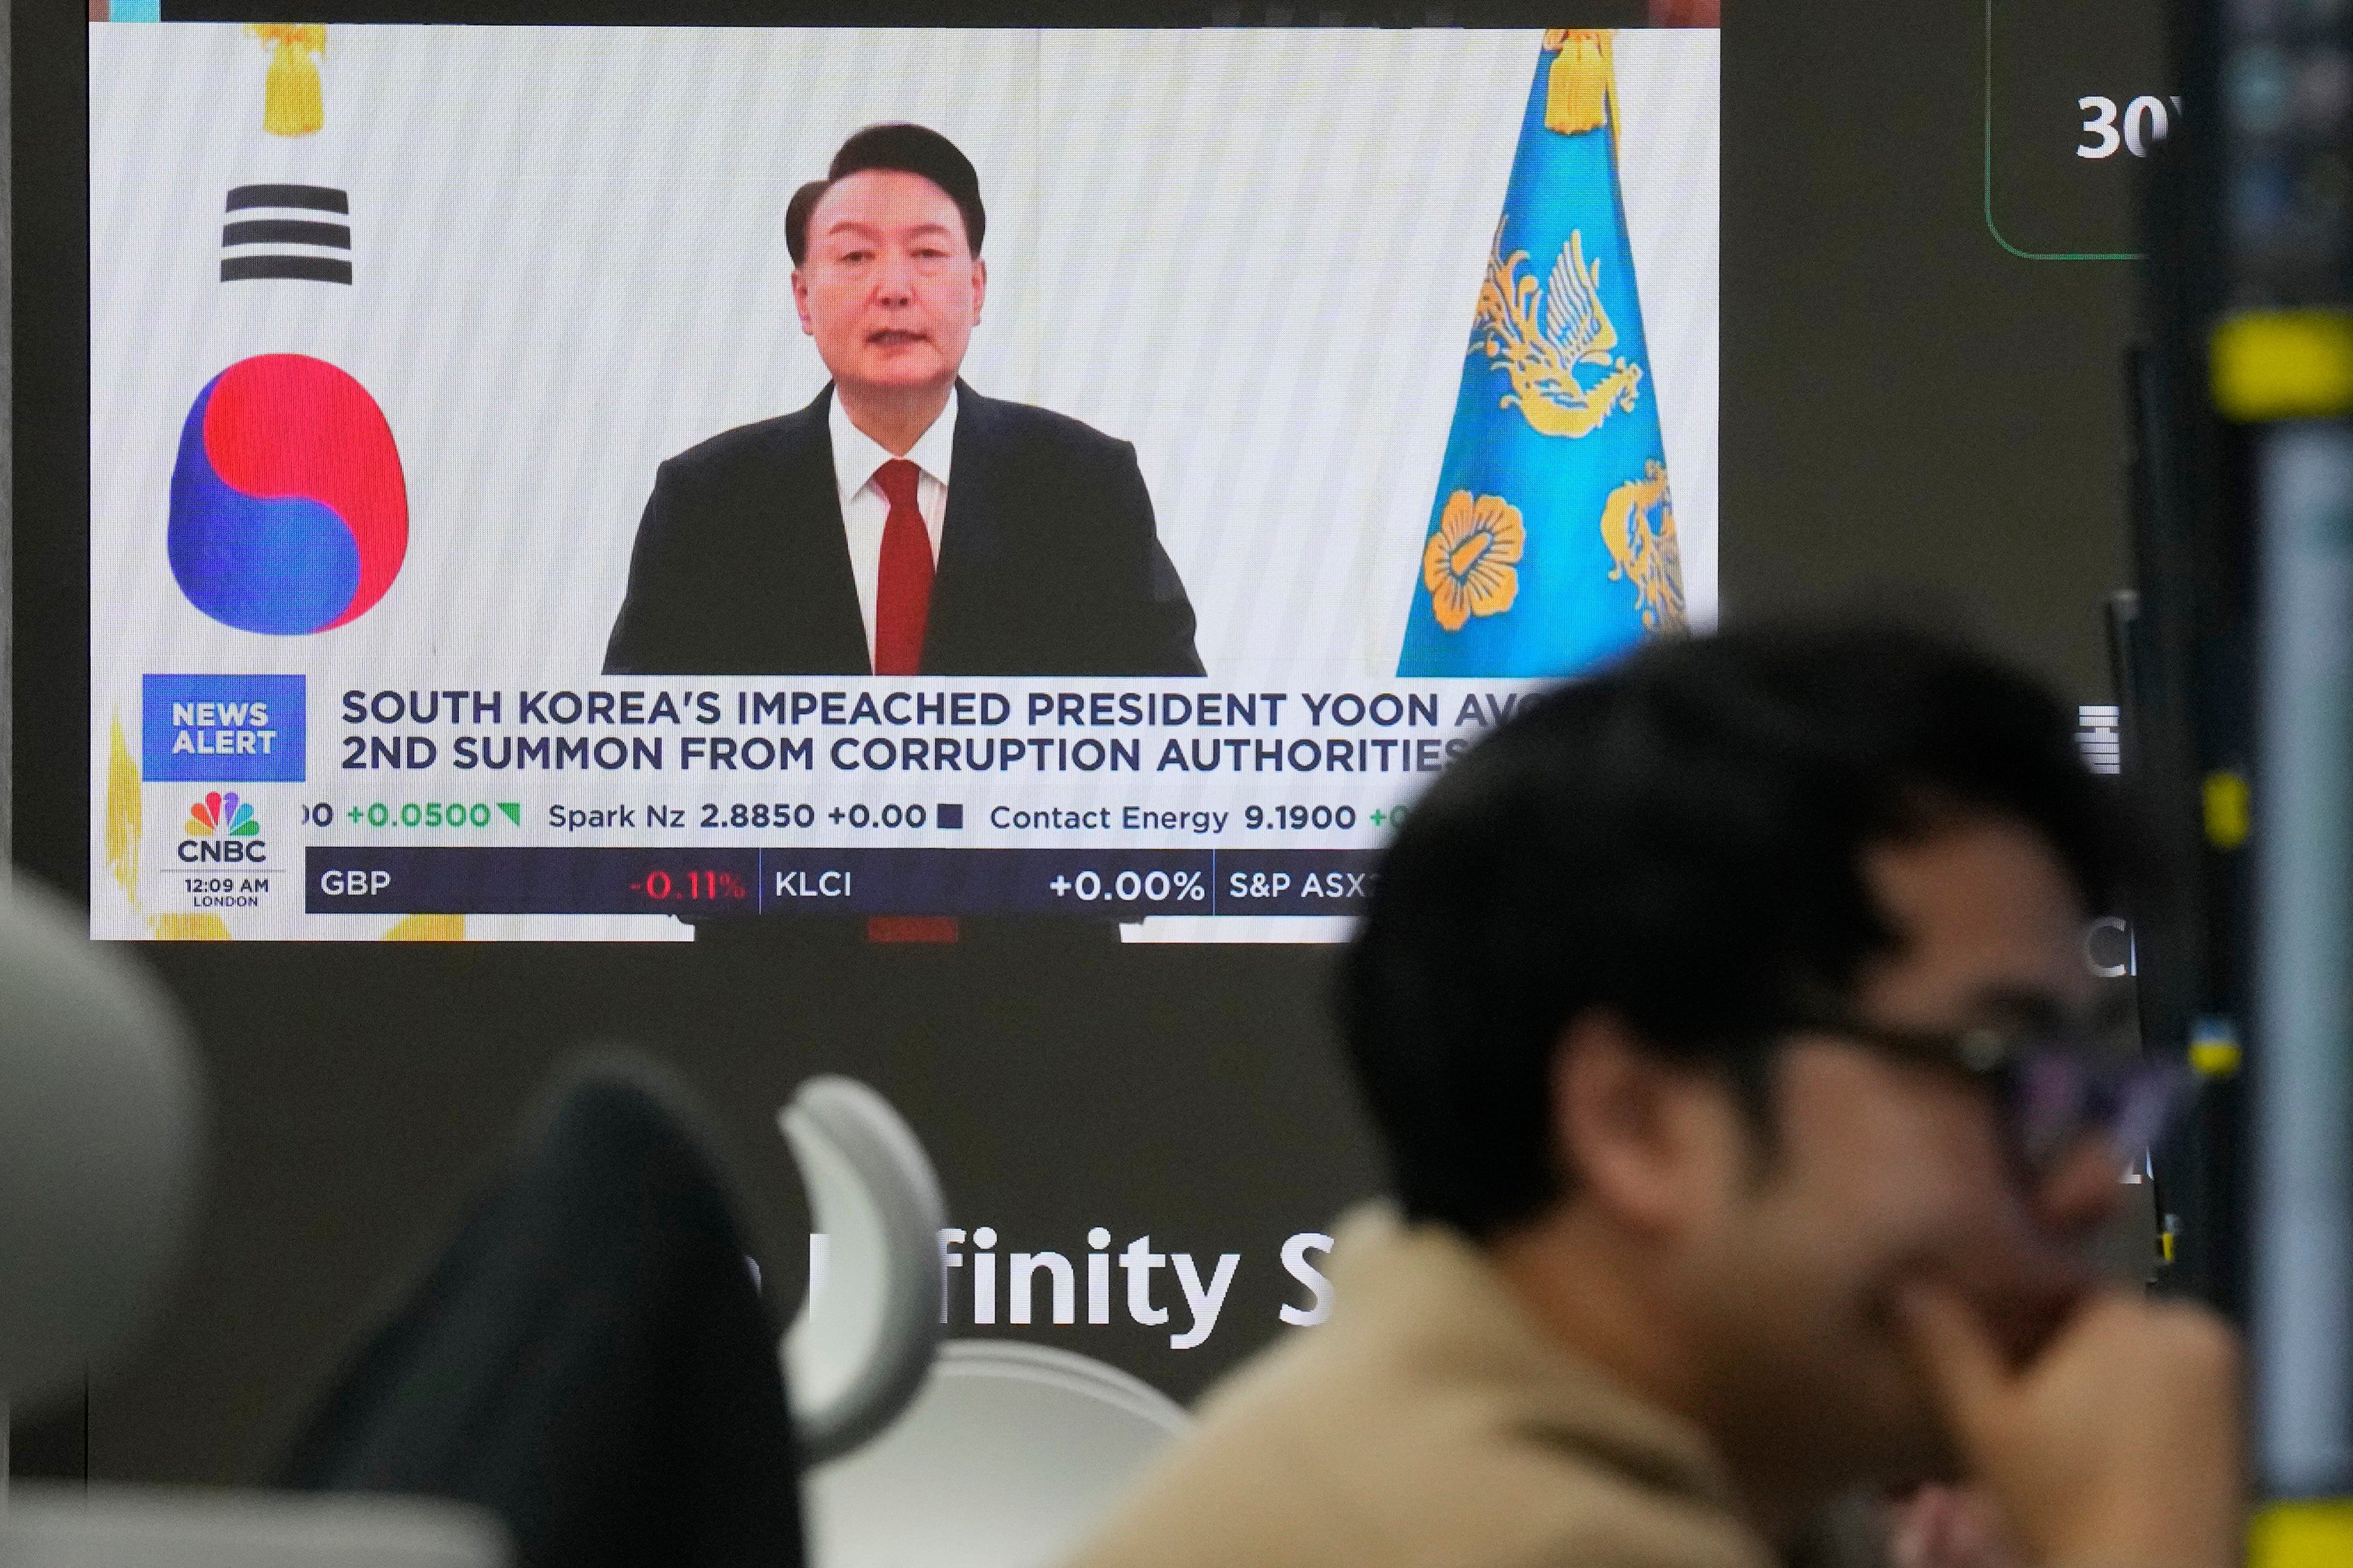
column 583, row 483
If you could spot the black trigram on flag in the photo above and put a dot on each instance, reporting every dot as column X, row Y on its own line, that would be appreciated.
column 287, row 231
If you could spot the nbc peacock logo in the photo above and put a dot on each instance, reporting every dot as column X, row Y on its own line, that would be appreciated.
column 224, row 828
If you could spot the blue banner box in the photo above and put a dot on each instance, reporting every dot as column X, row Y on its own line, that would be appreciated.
column 223, row 729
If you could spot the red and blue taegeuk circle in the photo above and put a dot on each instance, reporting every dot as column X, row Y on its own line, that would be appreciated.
column 288, row 512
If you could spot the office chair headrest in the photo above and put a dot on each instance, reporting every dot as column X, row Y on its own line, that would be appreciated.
column 101, row 1126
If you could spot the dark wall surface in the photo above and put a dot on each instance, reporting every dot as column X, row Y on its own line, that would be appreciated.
column 1912, row 413
column 1059, row 1082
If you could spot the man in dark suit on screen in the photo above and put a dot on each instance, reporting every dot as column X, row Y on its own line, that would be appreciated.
column 902, row 523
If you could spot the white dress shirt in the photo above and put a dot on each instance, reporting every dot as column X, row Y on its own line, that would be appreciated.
column 865, row 509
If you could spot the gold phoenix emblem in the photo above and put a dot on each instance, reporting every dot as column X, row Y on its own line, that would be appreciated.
column 1638, row 524
column 290, row 103
column 1471, row 563
column 1541, row 336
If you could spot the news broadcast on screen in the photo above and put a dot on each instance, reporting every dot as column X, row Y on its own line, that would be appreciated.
column 557, row 483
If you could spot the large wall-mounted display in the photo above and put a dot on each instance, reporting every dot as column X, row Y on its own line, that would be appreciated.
column 474, row 544
column 1255, row 253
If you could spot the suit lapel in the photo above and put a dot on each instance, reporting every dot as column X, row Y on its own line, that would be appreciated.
column 972, row 540
column 817, row 586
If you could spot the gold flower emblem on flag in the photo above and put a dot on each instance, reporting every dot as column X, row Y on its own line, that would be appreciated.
column 1638, row 524
column 1471, row 563
column 1542, row 335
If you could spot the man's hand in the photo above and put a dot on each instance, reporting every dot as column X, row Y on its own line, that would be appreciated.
column 2117, row 1447
column 1948, row 1527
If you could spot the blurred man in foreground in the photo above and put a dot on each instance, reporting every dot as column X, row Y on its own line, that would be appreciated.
column 1725, row 1020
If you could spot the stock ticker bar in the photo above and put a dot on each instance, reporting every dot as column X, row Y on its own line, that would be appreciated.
column 1081, row 883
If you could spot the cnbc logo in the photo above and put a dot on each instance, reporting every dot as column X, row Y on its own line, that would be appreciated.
column 221, row 827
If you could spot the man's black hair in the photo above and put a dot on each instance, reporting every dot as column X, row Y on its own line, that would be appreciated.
column 909, row 149
column 1680, row 841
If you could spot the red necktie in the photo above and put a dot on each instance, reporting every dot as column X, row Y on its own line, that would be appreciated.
column 903, row 597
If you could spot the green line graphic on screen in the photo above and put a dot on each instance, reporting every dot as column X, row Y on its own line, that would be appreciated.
column 1552, row 537
column 288, row 511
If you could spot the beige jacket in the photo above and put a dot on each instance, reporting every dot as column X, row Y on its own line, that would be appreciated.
column 1427, row 1424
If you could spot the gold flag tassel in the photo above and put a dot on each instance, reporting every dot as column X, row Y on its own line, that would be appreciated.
column 291, row 105
column 123, row 813
column 1577, row 92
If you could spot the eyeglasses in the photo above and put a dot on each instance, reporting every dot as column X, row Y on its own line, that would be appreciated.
column 2051, row 1090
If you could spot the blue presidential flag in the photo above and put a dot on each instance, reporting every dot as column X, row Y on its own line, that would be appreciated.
column 1552, row 539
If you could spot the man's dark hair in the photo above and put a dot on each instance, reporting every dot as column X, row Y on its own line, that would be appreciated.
column 909, row 149
column 1680, row 841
